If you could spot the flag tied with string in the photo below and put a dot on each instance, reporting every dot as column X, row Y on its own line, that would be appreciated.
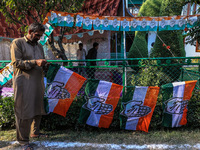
column 137, row 107
column 100, row 102
column 62, row 87
column 175, row 100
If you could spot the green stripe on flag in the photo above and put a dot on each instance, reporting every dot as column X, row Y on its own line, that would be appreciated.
column 128, row 96
column 90, row 90
column 52, row 71
column 167, row 93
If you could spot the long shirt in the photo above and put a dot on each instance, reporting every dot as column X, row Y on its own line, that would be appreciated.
column 28, row 78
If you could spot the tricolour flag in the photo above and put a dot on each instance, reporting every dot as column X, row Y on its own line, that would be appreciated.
column 175, row 100
column 63, row 86
column 101, row 100
column 6, row 74
column 137, row 107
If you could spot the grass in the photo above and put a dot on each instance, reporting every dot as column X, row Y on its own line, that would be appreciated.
column 93, row 135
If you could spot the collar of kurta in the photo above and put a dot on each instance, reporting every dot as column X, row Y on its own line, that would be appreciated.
column 29, row 42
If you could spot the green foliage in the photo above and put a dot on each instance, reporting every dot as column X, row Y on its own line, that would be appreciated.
column 139, row 47
column 7, row 117
column 149, row 75
column 57, row 122
column 17, row 11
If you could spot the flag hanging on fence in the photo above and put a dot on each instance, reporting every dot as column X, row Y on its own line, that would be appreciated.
column 175, row 100
column 101, row 100
column 6, row 74
column 63, row 86
column 137, row 107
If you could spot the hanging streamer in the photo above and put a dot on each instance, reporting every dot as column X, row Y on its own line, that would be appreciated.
column 97, row 23
column 79, row 20
column 115, row 23
column 87, row 23
column 125, row 23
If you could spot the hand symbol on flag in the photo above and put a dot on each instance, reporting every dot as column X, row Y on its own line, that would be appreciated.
column 57, row 91
column 134, row 109
column 97, row 105
column 175, row 105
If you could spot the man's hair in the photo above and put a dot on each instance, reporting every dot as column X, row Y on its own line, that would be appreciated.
column 36, row 27
column 95, row 44
column 80, row 44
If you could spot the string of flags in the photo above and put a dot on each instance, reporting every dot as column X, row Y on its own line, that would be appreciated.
column 102, row 97
column 115, row 23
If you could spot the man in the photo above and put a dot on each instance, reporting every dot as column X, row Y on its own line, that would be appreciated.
column 92, row 54
column 81, row 53
column 27, row 57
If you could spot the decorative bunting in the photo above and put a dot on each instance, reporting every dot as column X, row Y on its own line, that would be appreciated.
column 97, row 23
column 87, row 23
column 79, row 20
column 191, row 21
column 114, row 23
column 43, row 39
column 48, row 29
column 106, row 23
column 125, row 23
column 6, row 74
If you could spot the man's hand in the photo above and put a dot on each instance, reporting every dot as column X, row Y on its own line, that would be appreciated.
column 40, row 62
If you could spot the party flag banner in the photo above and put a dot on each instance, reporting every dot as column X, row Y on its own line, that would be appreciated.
column 175, row 100
column 62, row 87
column 137, row 107
column 87, row 22
column 48, row 29
column 180, row 23
column 165, row 22
column 192, row 21
column 105, row 23
column 6, row 74
column 100, row 102
column 79, row 20
column 44, row 38
column 125, row 24
column 53, row 18
column 97, row 23
column 153, row 24
column 135, row 24
column 114, row 23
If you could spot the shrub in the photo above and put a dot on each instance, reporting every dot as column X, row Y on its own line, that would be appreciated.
column 7, row 116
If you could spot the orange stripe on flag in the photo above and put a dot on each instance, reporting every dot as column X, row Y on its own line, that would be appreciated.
column 73, row 85
column 184, row 119
column 150, row 100
column 113, row 98
column 189, row 86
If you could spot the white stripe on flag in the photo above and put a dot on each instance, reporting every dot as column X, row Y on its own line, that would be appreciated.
column 102, row 91
column 139, row 95
column 63, row 75
column 52, row 104
column 178, row 91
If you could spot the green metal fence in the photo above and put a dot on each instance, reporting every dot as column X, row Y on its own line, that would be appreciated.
column 137, row 71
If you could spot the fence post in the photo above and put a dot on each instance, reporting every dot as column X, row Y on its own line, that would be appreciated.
column 124, row 78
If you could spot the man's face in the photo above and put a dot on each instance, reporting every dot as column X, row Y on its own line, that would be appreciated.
column 80, row 47
column 35, row 36
column 97, row 47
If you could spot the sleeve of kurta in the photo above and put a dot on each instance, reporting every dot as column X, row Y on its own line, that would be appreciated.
column 17, row 57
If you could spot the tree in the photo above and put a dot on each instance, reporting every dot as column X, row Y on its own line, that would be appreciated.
column 139, row 47
column 20, row 11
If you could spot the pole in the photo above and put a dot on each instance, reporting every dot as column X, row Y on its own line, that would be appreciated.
column 124, row 36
